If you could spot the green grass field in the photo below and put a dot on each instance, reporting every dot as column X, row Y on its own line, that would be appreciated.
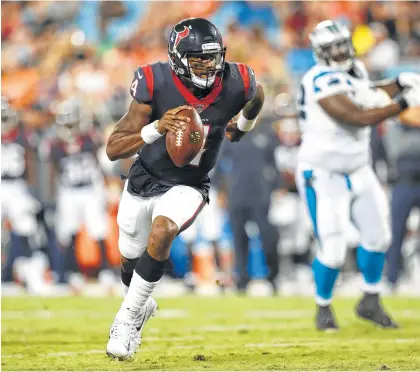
column 206, row 334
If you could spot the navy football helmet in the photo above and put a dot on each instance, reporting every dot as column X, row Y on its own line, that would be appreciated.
column 196, row 52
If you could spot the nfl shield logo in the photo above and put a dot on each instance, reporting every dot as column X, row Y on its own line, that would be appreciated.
column 194, row 136
column 199, row 108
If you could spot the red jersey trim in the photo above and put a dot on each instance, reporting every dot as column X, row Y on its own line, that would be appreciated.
column 243, row 70
column 148, row 72
column 189, row 222
column 192, row 100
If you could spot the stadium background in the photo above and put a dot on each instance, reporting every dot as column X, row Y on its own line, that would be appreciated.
column 52, row 51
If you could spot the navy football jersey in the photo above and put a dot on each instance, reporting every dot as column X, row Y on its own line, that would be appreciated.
column 153, row 172
column 13, row 148
column 75, row 162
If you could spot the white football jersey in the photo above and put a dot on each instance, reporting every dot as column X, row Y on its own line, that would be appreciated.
column 327, row 143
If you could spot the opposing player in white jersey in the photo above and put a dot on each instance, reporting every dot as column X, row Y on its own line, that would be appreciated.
column 338, row 106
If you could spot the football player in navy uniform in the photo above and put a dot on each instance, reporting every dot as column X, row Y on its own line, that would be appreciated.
column 80, row 190
column 17, row 203
column 160, row 200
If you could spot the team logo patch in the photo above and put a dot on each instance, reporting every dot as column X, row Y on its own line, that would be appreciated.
column 181, row 35
column 195, row 136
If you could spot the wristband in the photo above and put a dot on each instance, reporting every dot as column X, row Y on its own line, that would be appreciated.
column 149, row 133
column 402, row 102
column 244, row 124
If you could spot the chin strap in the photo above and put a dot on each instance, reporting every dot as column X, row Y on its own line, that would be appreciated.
column 205, row 82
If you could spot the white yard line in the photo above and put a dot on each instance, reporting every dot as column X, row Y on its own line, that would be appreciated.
column 174, row 314
column 298, row 342
column 176, row 338
column 278, row 314
column 48, row 314
column 58, row 354
column 314, row 341
column 250, row 327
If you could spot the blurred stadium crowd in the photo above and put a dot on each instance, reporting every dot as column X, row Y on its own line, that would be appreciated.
column 86, row 52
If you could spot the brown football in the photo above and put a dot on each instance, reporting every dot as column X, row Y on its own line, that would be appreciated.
column 184, row 145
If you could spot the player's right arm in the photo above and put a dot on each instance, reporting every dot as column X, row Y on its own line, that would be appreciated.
column 344, row 110
column 332, row 93
column 126, row 139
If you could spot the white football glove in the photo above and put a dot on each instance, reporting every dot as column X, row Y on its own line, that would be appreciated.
column 409, row 79
column 412, row 96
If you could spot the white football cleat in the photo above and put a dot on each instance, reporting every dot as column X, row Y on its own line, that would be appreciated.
column 119, row 344
column 141, row 320
column 125, row 337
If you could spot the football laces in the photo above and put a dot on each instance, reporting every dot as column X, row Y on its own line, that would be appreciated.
column 178, row 139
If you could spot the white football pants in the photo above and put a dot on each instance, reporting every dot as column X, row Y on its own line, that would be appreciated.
column 181, row 204
column 334, row 200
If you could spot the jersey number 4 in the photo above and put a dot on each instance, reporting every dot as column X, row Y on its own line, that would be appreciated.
column 133, row 87
column 196, row 161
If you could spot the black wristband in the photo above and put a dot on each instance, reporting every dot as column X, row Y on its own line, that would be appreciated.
column 403, row 103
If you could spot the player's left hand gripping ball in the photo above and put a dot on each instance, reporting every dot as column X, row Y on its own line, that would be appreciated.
column 233, row 134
